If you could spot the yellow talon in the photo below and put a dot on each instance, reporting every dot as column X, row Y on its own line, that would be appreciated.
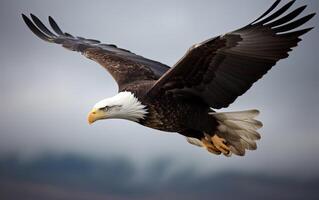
column 210, row 147
column 219, row 143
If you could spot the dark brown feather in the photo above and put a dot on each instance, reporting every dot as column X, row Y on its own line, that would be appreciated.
column 124, row 66
column 272, row 7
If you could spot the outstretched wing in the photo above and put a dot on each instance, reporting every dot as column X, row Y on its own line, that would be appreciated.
column 222, row 68
column 124, row 66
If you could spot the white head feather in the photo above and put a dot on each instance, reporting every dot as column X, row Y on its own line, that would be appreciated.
column 124, row 105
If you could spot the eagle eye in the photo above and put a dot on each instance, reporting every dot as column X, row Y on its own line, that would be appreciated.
column 104, row 108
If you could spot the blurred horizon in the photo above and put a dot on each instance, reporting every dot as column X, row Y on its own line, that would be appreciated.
column 47, row 91
column 78, row 177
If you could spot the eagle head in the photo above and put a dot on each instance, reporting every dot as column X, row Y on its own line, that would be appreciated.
column 124, row 105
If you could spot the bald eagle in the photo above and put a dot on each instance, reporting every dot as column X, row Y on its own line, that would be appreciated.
column 211, row 75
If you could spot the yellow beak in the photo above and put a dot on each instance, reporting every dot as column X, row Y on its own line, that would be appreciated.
column 91, row 118
column 95, row 115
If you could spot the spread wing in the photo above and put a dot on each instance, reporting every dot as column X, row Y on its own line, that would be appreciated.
column 222, row 68
column 124, row 66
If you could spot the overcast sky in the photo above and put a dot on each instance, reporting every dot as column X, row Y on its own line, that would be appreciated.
column 47, row 91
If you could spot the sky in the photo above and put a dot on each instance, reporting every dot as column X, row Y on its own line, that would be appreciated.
column 47, row 91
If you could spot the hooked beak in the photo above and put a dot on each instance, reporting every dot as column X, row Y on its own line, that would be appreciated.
column 95, row 115
column 91, row 118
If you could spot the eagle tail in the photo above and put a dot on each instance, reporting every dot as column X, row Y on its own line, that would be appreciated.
column 239, row 129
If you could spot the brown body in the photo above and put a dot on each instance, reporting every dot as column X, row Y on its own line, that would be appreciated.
column 172, row 113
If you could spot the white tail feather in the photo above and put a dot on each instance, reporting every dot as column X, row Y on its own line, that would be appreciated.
column 240, row 115
column 239, row 129
column 194, row 141
column 241, row 125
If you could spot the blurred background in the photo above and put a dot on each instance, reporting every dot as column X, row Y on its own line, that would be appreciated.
column 48, row 151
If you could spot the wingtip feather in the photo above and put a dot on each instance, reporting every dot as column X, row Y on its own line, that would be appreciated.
column 35, row 29
column 41, row 26
column 55, row 26
column 294, row 24
column 272, row 7
column 276, row 14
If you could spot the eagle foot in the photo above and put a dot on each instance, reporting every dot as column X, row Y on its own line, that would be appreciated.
column 210, row 147
column 220, row 144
